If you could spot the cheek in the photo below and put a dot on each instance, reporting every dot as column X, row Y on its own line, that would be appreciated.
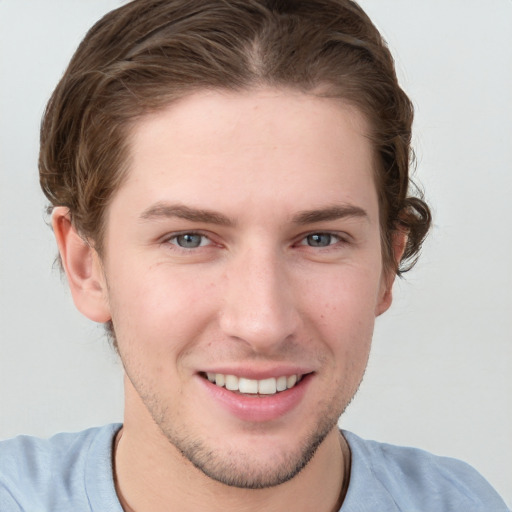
column 345, row 296
column 159, row 308
column 341, row 309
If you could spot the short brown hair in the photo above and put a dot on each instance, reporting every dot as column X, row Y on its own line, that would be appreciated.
column 148, row 53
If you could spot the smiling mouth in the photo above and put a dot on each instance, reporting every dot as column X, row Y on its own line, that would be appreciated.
column 270, row 386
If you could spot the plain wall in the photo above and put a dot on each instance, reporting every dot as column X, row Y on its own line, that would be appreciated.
column 440, row 372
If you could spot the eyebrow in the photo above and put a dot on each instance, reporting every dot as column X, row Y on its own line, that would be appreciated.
column 163, row 210
column 330, row 213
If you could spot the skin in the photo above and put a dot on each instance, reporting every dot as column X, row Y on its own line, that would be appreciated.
column 287, row 278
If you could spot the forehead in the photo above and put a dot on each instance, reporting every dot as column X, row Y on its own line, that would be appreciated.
column 267, row 146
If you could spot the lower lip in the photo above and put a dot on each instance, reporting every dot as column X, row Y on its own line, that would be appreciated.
column 259, row 408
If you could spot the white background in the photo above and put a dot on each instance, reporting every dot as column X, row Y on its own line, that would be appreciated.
column 439, row 376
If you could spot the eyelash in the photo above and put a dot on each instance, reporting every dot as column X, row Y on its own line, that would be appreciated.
column 174, row 237
column 334, row 239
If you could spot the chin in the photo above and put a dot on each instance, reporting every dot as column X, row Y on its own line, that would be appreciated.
column 252, row 467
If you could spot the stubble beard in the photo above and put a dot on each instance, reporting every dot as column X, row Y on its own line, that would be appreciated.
column 238, row 469
column 233, row 467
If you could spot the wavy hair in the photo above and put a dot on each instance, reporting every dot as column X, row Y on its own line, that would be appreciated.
column 149, row 53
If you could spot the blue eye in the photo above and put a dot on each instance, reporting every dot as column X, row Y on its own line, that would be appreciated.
column 189, row 240
column 320, row 240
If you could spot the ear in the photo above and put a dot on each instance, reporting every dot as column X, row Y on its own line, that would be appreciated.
column 83, row 268
column 385, row 298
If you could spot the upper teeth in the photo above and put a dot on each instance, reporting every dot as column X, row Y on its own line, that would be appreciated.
column 268, row 386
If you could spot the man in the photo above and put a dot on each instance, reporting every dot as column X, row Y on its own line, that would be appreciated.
column 230, row 196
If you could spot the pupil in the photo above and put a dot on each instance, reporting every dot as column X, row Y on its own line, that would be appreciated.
column 189, row 241
column 319, row 240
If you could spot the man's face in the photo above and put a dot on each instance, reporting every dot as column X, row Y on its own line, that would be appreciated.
column 244, row 247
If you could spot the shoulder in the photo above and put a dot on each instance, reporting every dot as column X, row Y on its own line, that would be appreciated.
column 413, row 480
column 36, row 472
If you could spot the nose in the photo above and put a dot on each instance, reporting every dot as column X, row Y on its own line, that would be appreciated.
column 259, row 305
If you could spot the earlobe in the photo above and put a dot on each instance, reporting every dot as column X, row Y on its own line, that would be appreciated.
column 83, row 268
column 388, row 277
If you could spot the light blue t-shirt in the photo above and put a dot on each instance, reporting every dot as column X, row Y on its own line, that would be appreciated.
column 73, row 473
